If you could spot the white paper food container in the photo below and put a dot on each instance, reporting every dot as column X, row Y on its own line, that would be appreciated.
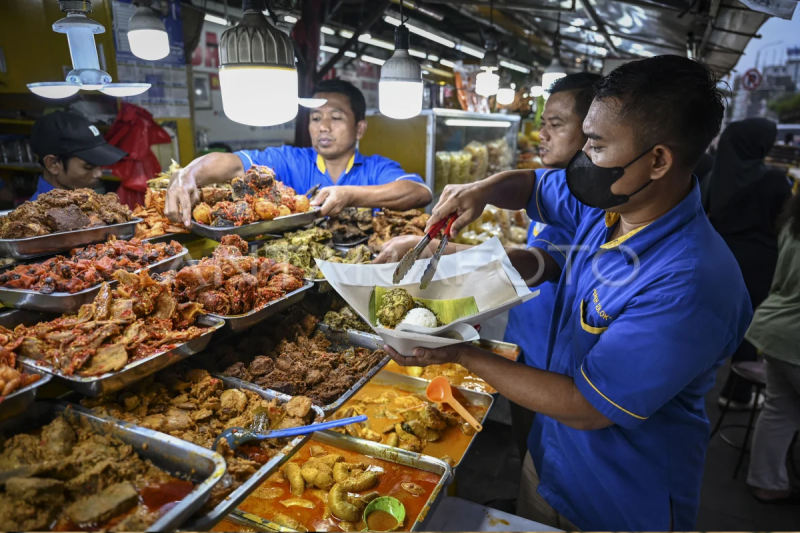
column 484, row 272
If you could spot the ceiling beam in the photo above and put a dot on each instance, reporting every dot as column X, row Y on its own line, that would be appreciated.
column 601, row 27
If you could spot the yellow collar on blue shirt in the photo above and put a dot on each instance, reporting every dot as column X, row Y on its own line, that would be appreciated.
column 322, row 168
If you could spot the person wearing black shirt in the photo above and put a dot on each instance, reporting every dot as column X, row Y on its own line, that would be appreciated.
column 746, row 198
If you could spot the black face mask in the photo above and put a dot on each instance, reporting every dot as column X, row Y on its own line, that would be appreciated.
column 591, row 184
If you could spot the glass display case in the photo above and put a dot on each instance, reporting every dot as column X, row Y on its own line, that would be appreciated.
column 444, row 145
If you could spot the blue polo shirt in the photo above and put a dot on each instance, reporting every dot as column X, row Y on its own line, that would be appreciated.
column 303, row 168
column 41, row 187
column 641, row 323
column 529, row 323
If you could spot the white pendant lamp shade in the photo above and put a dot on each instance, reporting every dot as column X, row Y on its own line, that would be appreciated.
column 257, row 75
column 400, row 99
column 85, row 73
column 552, row 73
column 537, row 91
column 487, row 83
column 53, row 89
column 147, row 35
column 259, row 96
column 505, row 96
column 400, row 88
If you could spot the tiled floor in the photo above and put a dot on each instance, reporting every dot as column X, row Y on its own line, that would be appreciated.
column 490, row 475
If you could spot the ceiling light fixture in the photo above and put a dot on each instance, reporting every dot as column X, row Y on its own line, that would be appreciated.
column 366, row 38
column 400, row 87
column 514, row 66
column 257, row 73
column 418, row 53
column 216, row 20
column 472, row 123
column 537, row 91
column 506, row 95
column 474, row 52
column 419, row 31
column 373, row 60
column 447, row 63
column 328, row 31
column 86, row 73
column 556, row 70
column 290, row 19
column 147, row 35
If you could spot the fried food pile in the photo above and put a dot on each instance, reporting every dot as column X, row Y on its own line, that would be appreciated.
column 87, row 267
column 300, row 248
column 11, row 376
column 303, row 363
column 409, row 421
column 61, row 210
column 256, row 196
column 138, row 318
column 345, row 319
column 192, row 405
column 351, row 225
column 154, row 222
column 511, row 227
column 387, row 224
column 231, row 283
column 73, row 478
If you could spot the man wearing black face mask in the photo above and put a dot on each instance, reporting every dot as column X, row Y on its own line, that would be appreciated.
column 650, row 306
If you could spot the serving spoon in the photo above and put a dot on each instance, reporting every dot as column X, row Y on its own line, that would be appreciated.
column 237, row 436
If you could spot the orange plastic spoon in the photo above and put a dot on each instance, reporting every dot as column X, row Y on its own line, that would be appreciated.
column 439, row 391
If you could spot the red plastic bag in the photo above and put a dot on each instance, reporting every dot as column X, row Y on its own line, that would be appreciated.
column 134, row 131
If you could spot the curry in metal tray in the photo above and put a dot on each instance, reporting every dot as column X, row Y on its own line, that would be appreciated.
column 324, row 488
column 409, row 421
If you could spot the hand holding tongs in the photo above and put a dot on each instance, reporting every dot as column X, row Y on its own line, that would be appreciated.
column 412, row 255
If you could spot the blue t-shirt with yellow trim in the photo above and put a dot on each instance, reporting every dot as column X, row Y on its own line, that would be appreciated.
column 641, row 323
column 42, row 186
column 303, row 168
column 529, row 323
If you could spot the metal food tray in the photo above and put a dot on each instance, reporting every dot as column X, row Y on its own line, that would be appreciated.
column 239, row 323
column 18, row 401
column 276, row 225
column 177, row 457
column 181, row 238
column 209, row 520
column 55, row 243
column 320, row 286
column 70, row 303
column 419, row 385
column 341, row 339
column 378, row 451
column 344, row 246
column 113, row 381
column 488, row 344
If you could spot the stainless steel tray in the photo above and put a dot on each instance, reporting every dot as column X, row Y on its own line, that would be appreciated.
column 321, row 286
column 55, row 243
column 64, row 302
column 239, row 323
column 113, row 381
column 378, row 451
column 207, row 521
column 277, row 225
column 343, row 339
column 182, row 238
column 344, row 246
column 18, row 401
column 175, row 456
column 418, row 386
column 512, row 350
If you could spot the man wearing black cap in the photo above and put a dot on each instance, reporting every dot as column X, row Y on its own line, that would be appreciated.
column 71, row 150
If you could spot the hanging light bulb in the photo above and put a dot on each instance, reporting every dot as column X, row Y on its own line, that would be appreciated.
column 556, row 70
column 487, row 83
column 537, row 91
column 85, row 73
column 147, row 35
column 400, row 88
column 507, row 94
column 257, row 75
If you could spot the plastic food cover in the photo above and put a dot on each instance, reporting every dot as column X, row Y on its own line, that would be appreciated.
column 483, row 272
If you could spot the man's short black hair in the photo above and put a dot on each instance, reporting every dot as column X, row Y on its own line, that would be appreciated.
column 357, row 102
column 583, row 85
column 667, row 99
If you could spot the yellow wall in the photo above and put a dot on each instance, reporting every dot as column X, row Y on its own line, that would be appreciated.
column 401, row 140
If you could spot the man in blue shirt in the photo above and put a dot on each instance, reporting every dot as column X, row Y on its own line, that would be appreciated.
column 560, row 136
column 72, row 152
column 347, row 178
column 650, row 306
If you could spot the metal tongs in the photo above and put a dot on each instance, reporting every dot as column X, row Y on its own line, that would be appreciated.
column 411, row 256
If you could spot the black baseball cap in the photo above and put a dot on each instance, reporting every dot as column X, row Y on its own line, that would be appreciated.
column 68, row 134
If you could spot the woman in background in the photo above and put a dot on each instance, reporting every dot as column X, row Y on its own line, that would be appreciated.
column 745, row 202
column 775, row 332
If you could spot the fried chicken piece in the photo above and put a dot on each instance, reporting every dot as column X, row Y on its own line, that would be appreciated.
column 241, row 289
column 285, row 282
column 199, row 278
column 237, row 241
column 264, row 209
column 285, row 268
column 216, row 302
column 202, row 213
column 214, row 195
